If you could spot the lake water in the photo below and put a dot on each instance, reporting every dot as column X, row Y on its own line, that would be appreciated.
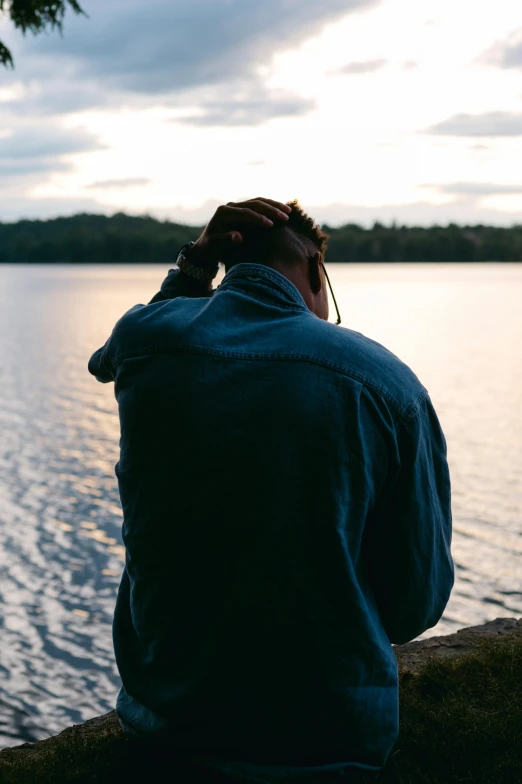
column 458, row 326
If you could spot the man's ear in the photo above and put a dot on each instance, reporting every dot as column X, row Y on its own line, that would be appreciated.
column 314, row 272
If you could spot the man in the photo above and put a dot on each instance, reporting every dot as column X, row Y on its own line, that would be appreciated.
column 286, row 504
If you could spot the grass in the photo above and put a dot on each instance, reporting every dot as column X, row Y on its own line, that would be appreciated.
column 461, row 719
column 461, row 722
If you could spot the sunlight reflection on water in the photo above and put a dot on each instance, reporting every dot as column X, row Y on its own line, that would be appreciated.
column 458, row 326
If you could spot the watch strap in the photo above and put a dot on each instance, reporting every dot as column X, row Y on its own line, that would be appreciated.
column 204, row 274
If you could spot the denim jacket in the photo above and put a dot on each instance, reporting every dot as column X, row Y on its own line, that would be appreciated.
column 286, row 518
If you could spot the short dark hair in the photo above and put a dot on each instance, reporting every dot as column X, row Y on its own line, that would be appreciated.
column 305, row 226
column 261, row 244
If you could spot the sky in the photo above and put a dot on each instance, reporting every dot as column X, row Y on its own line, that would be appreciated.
column 364, row 110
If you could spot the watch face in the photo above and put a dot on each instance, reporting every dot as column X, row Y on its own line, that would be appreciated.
column 183, row 250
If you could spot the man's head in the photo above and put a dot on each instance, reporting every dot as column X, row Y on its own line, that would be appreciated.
column 295, row 248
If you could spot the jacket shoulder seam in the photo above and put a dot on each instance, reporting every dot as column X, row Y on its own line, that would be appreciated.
column 405, row 413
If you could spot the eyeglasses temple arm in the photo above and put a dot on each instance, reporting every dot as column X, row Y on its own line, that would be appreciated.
column 333, row 296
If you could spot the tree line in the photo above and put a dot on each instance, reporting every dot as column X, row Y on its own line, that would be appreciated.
column 130, row 239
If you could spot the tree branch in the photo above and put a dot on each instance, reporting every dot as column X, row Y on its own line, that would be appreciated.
column 5, row 56
column 35, row 16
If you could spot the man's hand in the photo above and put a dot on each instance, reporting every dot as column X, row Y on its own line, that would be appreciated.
column 224, row 229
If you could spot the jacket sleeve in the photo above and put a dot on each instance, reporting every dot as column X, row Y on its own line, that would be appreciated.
column 408, row 537
column 178, row 285
column 175, row 285
column 100, row 365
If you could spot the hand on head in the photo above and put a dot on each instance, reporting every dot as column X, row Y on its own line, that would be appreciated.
column 246, row 231
column 225, row 228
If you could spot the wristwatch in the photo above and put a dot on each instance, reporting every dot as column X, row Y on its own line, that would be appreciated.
column 205, row 274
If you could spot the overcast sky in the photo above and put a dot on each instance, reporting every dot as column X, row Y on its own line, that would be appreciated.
column 363, row 109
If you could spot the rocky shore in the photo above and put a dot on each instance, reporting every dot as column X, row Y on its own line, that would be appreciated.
column 461, row 720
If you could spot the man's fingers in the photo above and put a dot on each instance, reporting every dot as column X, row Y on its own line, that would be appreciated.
column 224, row 229
column 273, row 210
column 279, row 204
column 233, row 216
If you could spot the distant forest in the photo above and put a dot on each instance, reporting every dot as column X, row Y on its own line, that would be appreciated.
column 127, row 239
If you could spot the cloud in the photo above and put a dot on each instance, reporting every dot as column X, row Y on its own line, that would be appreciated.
column 46, row 142
column 487, row 124
column 56, row 96
column 11, row 169
column 259, row 107
column 28, row 152
column 476, row 189
column 506, row 54
column 361, row 67
column 159, row 48
column 512, row 56
column 421, row 213
column 14, row 208
column 124, row 182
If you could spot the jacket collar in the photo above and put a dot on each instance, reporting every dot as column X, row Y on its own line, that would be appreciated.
column 258, row 277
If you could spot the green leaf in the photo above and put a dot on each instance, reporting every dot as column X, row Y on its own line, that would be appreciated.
column 5, row 56
column 35, row 16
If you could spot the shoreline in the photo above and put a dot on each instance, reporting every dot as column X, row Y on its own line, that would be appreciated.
column 446, row 683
